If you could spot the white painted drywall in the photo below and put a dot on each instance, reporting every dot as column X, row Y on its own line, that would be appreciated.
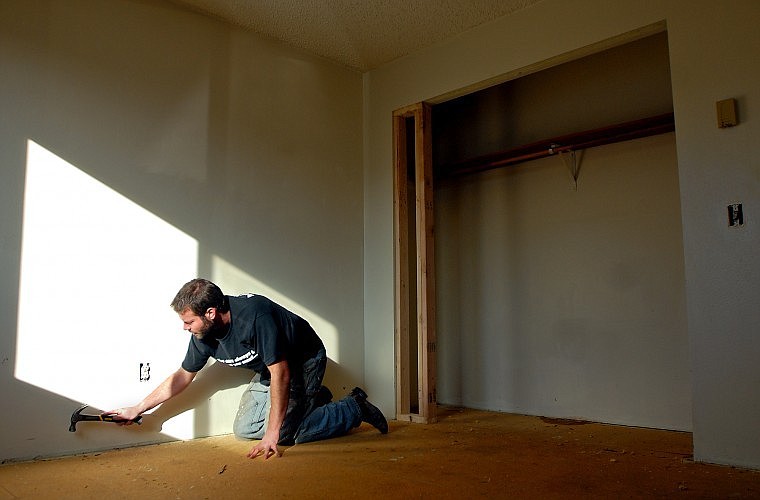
column 711, row 56
column 142, row 145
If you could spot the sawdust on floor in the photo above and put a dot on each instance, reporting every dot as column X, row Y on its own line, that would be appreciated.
column 467, row 453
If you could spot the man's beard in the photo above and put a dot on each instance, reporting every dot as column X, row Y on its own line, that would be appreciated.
column 208, row 326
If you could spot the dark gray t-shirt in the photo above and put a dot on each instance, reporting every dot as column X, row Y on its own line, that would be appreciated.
column 261, row 333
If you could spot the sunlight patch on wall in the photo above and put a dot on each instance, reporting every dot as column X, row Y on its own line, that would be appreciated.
column 97, row 275
column 233, row 281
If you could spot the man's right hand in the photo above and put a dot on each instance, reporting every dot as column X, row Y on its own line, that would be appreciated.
column 126, row 416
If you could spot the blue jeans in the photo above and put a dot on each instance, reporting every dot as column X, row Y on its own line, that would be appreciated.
column 304, row 421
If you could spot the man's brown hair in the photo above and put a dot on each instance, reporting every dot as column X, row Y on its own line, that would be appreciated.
column 199, row 295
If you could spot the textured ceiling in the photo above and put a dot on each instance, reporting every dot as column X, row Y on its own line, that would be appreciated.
column 361, row 34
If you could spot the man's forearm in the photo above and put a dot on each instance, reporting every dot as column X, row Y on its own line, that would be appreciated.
column 279, row 394
column 173, row 385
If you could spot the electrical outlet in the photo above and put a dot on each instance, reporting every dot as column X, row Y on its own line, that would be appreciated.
column 735, row 215
column 144, row 372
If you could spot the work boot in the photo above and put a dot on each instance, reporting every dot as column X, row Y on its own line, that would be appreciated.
column 370, row 413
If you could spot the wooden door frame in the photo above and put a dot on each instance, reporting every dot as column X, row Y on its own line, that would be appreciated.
column 405, row 345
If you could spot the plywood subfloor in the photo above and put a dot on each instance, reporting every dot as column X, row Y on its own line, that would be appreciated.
column 467, row 454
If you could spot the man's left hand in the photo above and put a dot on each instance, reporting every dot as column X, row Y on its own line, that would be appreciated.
column 267, row 447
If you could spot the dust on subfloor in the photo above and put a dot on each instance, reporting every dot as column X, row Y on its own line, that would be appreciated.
column 467, row 453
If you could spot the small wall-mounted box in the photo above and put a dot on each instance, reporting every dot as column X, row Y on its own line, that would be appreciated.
column 726, row 113
column 735, row 215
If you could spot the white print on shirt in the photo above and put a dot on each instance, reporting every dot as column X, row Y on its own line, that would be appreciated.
column 240, row 360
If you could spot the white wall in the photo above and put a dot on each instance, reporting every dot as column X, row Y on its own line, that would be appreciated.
column 140, row 146
column 710, row 55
